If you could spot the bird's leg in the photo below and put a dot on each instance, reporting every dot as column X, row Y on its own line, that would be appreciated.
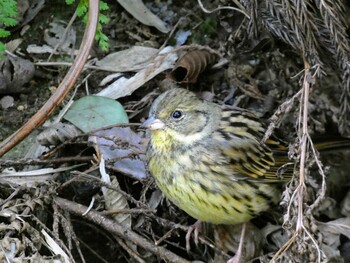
column 196, row 227
column 238, row 256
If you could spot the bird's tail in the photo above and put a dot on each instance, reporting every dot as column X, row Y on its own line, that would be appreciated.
column 331, row 144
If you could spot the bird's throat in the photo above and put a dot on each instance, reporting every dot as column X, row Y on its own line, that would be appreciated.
column 169, row 140
column 162, row 141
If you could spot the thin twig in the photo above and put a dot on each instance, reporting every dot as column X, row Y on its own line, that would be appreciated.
column 303, row 147
column 276, row 118
column 30, row 161
column 129, row 250
column 63, row 37
column 92, row 251
column 171, row 32
column 117, row 229
column 52, row 234
column 129, row 211
column 68, row 64
column 300, row 189
column 242, row 11
column 12, row 195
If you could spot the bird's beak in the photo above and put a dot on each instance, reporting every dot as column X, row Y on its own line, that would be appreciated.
column 153, row 124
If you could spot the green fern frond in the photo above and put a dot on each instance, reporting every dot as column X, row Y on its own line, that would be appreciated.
column 82, row 11
column 8, row 13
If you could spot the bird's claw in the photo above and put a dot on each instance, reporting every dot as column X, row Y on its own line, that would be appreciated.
column 196, row 228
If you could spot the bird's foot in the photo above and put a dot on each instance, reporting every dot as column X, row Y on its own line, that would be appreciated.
column 196, row 228
column 238, row 257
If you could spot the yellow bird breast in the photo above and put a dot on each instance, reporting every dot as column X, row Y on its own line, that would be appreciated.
column 205, row 194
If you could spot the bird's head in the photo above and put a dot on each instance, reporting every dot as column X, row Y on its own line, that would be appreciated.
column 180, row 115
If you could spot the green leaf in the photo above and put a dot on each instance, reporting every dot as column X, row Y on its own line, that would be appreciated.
column 103, row 19
column 2, row 49
column 104, row 6
column 8, row 8
column 82, row 11
column 9, row 21
column 8, row 13
column 82, row 8
column 4, row 33
column 92, row 112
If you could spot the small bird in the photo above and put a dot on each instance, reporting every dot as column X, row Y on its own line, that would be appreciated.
column 210, row 160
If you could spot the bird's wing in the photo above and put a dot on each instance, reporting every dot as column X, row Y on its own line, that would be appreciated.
column 239, row 135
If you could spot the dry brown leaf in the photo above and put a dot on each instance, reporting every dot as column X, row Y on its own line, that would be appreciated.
column 132, row 59
column 14, row 73
column 13, row 44
column 58, row 133
column 192, row 61
column 121, row 145
column 122, row 87
column 56, row 35
column 140, row 12
column 115, row 201
column 333, row 229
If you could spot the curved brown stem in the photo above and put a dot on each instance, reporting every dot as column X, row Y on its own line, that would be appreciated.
column 65, row 86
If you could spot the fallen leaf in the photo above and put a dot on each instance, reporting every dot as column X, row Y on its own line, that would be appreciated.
column 132, row 59
column 140, row 12
column 93, row 112
column 193, row 60
column 125, row 147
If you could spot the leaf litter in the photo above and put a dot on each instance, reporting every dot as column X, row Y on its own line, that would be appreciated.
column 255, row 73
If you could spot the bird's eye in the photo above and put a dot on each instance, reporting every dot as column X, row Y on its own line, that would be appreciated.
column 177, row 115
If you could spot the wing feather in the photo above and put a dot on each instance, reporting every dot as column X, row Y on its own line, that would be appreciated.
column 240, row 133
